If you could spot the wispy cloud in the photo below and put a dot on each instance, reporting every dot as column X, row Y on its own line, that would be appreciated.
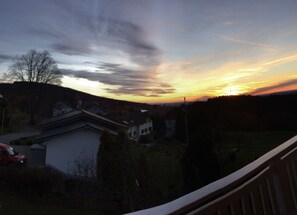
column 86, row 32
column 106, row 27
column 4, row 57
column 249, row 43
column 282, row 60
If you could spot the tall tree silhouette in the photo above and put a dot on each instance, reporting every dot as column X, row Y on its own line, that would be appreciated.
column 35, row 67
column 199, row 163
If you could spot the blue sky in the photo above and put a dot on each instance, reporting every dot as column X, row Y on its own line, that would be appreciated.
column 158, row 50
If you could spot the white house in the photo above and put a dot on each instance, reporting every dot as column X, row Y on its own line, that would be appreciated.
column 136, row 130
column 138, row 123
column 72, row 141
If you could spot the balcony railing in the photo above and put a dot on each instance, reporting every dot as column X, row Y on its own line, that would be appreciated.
column 266, row 186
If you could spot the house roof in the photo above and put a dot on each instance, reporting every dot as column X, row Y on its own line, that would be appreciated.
column 73, row 121
column 79, row 115
column 98, row 110
column 136, row 117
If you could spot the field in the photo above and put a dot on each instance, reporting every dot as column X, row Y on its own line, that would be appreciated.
column 239, row 148
column 164, row 162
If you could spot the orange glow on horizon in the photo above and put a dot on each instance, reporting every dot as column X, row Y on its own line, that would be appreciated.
column 280, row 89
column 230, row 78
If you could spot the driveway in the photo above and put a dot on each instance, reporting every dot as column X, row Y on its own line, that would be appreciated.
column 14, row 136
column 36, row 158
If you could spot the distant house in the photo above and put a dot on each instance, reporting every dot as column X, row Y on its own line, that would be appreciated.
column 61, row 108
column 73, row 139
column 170, row 119
column 97, row 109
column 137, row 121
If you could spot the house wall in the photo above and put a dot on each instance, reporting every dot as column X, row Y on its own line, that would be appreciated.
column 133, row 132
column 146, row 128
column 170, row 128
column 64, row 151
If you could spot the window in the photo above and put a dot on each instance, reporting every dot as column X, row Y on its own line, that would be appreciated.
column 11, row 151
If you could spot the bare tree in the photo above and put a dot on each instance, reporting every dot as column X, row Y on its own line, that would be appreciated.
column 84, row 165
column 34, row 66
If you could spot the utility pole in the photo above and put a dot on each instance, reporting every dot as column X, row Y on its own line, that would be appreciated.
column 186, row 121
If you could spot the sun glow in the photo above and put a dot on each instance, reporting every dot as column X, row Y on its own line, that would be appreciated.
column 232, row 90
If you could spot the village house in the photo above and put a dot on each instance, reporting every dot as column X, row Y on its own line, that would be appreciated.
column 72, row 140
column 97, row 109
column 170, row 119
column 61, row 108
column 138, row 122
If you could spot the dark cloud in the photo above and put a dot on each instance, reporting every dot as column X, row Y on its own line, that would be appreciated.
column 125, row 81
column 80, row 74
column 48, row 32
column 129, row 38
column 71, row 48
column 62, row 42
column 101, row 27
column 147, row 92
column 105, row 29
column 4, row 57
column 274, row 87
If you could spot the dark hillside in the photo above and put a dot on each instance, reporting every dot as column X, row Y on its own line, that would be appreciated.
column 43, row 97
column 274, row 112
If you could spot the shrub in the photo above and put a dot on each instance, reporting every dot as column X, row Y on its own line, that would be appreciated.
column 36, row 180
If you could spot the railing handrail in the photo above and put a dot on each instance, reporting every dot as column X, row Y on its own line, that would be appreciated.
column 211, row 191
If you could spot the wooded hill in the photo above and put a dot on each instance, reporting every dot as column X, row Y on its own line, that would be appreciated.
column 273, row 112
column 270, row 112
column 41, row 98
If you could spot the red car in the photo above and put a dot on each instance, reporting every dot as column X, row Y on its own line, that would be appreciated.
column 9, row 157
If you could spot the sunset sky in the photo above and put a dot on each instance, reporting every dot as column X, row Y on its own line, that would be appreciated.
column 158, row 50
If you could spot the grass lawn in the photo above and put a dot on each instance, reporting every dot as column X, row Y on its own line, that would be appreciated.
column 239, row 148
column 164, row 162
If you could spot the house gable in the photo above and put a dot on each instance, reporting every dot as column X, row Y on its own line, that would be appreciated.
column 74, row 152
column 76, row 120
column 73, row 139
